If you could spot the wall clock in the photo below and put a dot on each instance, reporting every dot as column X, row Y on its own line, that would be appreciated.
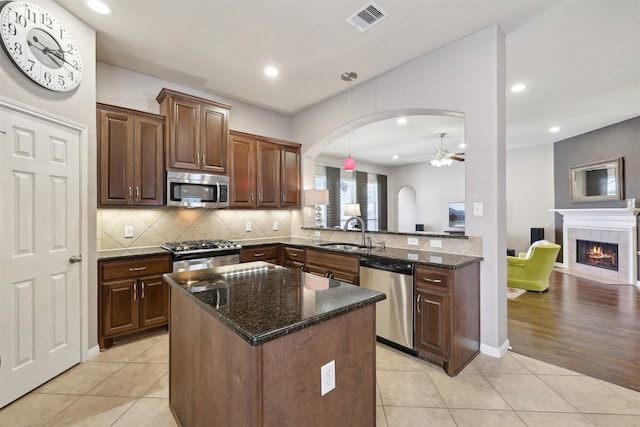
column 40, row 46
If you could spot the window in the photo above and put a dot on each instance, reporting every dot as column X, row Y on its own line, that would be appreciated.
column 369, row 190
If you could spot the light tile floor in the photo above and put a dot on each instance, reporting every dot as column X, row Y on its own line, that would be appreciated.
column 128, row 386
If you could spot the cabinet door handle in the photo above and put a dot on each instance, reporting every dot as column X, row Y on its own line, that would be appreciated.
column 204, row 161
column 259, row 196
column 137, row 268
column 138, row 194
column 294, row 255
column 197, row 159
column 130, row 195
column 142, row 285
column 282, row 197
column 418, row 304
column 252, row 197
column 258, row 255
column 426, row 279
column 135, row 291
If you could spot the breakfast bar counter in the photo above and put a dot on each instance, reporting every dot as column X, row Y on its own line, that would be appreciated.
column 247, row 343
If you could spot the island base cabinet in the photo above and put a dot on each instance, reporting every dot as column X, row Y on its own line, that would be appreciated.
column 219, row 379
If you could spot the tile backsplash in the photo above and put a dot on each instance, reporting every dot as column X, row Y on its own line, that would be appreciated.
column 152, row 227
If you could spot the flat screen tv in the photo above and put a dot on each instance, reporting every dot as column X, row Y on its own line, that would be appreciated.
column 456, row 214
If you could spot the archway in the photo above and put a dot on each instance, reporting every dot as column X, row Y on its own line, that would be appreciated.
column 407, row 209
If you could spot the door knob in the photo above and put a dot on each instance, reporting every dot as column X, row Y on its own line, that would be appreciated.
column 75, row 258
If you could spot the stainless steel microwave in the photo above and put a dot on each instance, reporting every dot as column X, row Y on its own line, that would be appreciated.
column 197, row 190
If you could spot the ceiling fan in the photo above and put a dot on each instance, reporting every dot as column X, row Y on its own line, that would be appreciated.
column 443, row 157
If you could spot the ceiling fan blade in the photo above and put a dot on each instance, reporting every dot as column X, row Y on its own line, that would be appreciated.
column 460, row 159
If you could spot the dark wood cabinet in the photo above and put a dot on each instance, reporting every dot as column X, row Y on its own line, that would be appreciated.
column 339, row 266
column 290, row 176
column 448, row 315
column 130, row 157
column 432, row 319
column 197, row 132
column 265, row 173
column 293, row 257
column 133, row 297
column 242, row 170
column 267, row 253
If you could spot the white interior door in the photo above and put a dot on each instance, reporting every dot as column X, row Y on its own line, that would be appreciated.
column 40, row 324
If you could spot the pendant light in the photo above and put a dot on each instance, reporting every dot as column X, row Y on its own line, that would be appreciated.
column 349, row 162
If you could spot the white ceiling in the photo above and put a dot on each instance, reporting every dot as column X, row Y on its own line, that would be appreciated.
column 580, row 59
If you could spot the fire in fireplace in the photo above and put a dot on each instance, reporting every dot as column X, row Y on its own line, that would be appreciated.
column 597, row 254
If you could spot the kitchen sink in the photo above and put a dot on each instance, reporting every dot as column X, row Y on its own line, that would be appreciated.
column 342, row 246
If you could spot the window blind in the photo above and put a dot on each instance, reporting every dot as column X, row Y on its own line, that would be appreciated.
column 333, row 185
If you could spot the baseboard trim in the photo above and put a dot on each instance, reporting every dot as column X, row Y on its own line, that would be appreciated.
column 93, row 352
column 497, row 352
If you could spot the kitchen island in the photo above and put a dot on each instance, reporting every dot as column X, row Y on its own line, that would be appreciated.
column 247, row 344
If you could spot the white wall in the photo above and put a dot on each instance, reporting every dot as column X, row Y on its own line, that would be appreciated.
column 78, row 106
column 435, row 188
column 125, row 88
column 465, row 77
column 529, row 194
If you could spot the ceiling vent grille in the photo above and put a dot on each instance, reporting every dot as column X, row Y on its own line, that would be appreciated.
column 368, row 16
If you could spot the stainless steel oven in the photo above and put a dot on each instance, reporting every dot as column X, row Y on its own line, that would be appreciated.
column 200, row 254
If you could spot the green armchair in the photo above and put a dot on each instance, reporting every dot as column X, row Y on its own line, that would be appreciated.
column 532, row 272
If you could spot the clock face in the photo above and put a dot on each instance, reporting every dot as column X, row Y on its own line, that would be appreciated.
column 40, row 46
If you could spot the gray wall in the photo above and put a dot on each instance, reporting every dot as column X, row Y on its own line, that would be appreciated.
column 618, row 140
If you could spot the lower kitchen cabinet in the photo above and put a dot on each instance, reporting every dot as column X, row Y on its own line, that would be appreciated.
column 293, row 257
column 339, row 266
column 448, row 315
column 260, row 253
column 133, row 298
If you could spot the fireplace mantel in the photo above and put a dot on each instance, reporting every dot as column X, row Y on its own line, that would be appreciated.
column 620, row 222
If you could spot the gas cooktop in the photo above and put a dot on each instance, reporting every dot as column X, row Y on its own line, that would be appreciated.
column 197, row 246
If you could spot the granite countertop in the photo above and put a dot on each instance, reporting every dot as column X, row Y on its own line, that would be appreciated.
column 434, row 259
column 261, row 301
column 130, row 253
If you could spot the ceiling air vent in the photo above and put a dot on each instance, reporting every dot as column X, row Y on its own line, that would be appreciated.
column 367, row 17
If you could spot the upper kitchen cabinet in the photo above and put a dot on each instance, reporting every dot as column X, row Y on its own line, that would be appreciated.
column 265, row 172
column 197, row 132
column 290, row 176
column 130, row 157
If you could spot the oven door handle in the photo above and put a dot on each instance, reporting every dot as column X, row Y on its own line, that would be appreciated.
column 218, row 192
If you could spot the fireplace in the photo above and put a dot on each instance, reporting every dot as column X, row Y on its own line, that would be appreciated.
column 601, row 244
column 597, row 254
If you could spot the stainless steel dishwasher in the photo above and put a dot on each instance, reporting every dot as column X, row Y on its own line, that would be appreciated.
column 394, row 315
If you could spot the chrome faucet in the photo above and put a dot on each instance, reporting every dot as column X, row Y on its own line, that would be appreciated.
column 362, row 227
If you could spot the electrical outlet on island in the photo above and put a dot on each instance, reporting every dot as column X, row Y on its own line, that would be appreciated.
column 247, row 227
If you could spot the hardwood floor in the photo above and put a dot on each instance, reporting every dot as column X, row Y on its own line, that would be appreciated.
column 582, row 325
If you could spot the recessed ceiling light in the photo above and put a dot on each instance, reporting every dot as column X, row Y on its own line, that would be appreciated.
column 519, row 87
column 554, row 129
column 462, row 145
column 395, row 157
column 402, row 121
column 271, row 71
column 99, row 7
